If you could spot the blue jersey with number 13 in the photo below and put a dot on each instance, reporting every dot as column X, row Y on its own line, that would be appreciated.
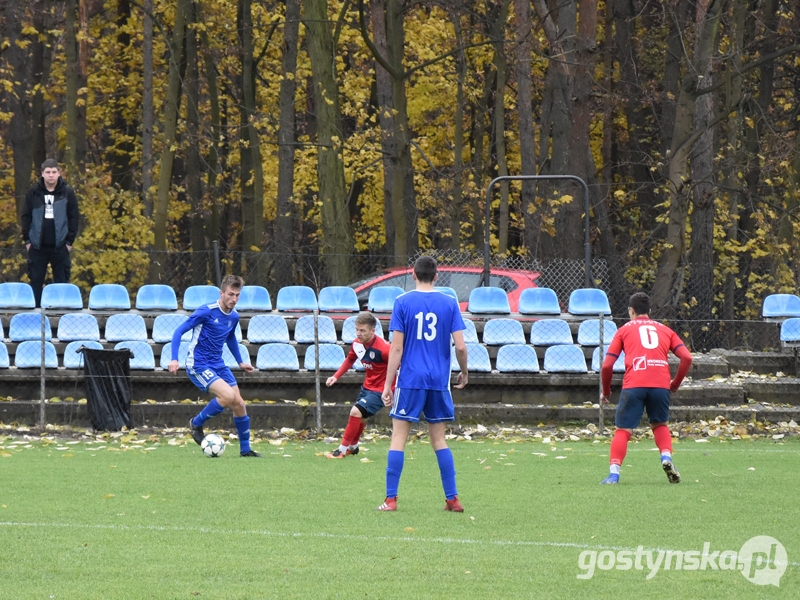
column 426, row 320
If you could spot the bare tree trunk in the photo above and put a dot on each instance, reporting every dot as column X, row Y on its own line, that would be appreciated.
column 457, row 198
column 120, row 150
column 75, row 111
column 501, row 67
column 480, row 131
column 527, row 135
column 147, row 109
column 215, row 183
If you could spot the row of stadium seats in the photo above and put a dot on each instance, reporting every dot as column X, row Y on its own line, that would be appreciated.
column 790, row 332
column 264, row 329
column 112, row 296
column 514, row 358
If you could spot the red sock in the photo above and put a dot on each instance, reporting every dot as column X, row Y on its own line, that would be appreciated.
column 351, row 433
column 360, row 430
column 619, row 446
column 663, row 438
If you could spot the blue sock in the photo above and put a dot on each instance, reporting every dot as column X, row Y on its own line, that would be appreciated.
column 243, row 429
column 447, row 471
column 211, row 409
column 394, row 468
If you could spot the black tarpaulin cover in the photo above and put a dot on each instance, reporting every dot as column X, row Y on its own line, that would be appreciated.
column 108, row 387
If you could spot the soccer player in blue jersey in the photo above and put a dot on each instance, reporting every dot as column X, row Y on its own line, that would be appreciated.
column 212, row 326
column 423, row 321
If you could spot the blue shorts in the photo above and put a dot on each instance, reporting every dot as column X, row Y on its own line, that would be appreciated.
column 369, row 402
column 434, row 405
column 634, row 401
column 203, row 377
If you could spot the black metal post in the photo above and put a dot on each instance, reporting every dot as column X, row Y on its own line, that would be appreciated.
column 217, row 269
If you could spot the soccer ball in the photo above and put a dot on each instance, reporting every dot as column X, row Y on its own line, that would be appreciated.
column 213, row 445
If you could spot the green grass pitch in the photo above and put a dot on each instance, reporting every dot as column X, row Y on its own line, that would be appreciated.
column 154, row 518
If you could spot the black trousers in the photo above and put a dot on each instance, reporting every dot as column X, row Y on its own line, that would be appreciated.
column 58, row 258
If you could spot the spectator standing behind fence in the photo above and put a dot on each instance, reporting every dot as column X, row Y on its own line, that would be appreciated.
column 423, row 321
column 646, row 384
column 49, row 226
column 213, row 326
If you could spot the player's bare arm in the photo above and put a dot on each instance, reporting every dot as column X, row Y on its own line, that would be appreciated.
column 331, row 380
column 173, row 366
column 461, row 357
column 395, row 356
column 246, row 367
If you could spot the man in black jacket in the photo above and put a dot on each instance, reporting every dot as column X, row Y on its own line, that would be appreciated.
column 49, row 226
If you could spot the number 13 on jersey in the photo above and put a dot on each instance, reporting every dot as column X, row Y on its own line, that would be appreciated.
column 426, row 326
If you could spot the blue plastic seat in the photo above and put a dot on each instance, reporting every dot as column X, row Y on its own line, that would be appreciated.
column 165, row 325
column 589, row 332
column 539, row 301
column 29, row 355
column 338, row 298
column 254, row 298
column 564, row 358
column 498, row 332
column 517, row 358
column 477, row 359
column 156, row 296
column 78, row 326
column 28, row 326
column 588, row 301
column 66, row 296
column 470, row 333
column 331, row 357
column 74, row 359
column 790, row 332
column 125, row 328
column 4, row 360
column 2, row 332
column 268, row 329
column 381, row 298
column 296, row 297
column 109, row 296
column 488, row 300
column 781, row 305
column 230, row 362
column 196, row 296
column 142, row 358
column 304, row 330
column 277, row 357
column 447, row 290
column 166, row 355
column 619, row 364
column 349, row 330
column 16, row 294
column 549, row 332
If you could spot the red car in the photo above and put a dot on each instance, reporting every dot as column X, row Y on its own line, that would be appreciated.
column 462, row 279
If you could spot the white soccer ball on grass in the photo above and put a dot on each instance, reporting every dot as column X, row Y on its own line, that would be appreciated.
column 213, row 445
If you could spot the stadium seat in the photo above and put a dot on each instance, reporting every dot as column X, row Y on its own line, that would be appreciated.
column 2, row 332
column 196, row 296
column 589, row 332
column 477, row 359
column 29, row 355
column 564, row 358
column 304, row 330
column 381, row 298
column 4, row 360
column 268, row 329
column 447, row 290
column 230, row 362
column 331, row 357
column 16, row 294
column 165, row 325
column 166, row 355
column 790, row 332
column 470, row 333
column 588, row 301
column 781, row 305
column 488, row 300
column 338, row 298
column 78, row 326
column 254, row 298
column 619, row 364
column 296, row 297
column 125, row 328
column 66, row 296
column 539, row 301
column 142, row 358
column 349, row 330
column 28, row 326
column 109, row 296
column 156, row 296
column 517, row 358
column 498, row 332
column 74, row 359
column 549, row 332
column 277, row 357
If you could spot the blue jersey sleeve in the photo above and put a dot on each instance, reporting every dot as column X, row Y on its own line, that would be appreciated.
column 196, row 318
column 396, row 323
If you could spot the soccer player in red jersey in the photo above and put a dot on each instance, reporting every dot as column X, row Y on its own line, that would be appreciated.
column 374, row 354
column 646, row 384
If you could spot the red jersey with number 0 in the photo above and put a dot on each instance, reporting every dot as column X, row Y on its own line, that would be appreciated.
column 646, row 344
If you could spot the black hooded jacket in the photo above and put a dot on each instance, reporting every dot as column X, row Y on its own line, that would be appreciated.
column 65, row 216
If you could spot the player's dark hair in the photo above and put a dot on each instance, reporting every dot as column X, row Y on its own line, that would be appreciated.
column 231, row 281
column 640, row 303
column 50, row 163
column 368, row 319
column 425, row 269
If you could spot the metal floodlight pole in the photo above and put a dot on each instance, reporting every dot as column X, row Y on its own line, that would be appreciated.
column 601, row 355
column 42, row 416
column 587, row 249
column 317, row 389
